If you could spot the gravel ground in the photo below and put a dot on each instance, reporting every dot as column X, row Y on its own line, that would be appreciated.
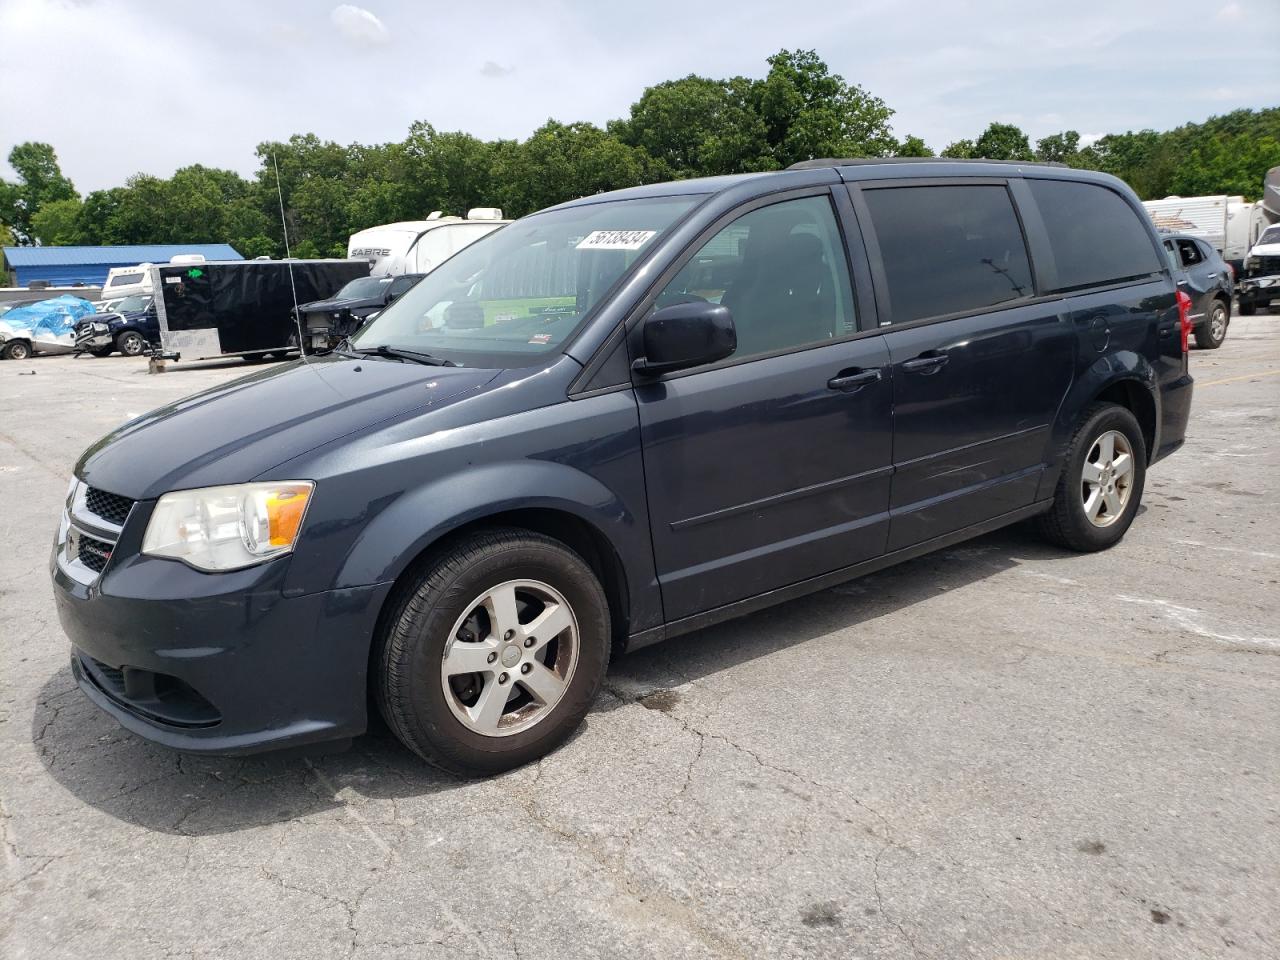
column 1000, row 750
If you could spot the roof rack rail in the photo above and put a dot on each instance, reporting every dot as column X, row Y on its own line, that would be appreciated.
column 867, row 161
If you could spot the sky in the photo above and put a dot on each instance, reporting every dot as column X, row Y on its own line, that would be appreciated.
column 126, row 86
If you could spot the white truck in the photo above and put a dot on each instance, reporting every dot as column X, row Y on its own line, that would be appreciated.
column 1259, row 284
column 419, row 246
column 1230, row 224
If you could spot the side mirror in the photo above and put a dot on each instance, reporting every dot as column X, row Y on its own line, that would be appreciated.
column 686, row 335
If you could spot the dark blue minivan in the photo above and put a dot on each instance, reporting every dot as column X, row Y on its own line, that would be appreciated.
column 611, row 423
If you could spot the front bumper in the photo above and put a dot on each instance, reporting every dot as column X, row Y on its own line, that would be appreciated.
column 1258, row 289
column 217, row 663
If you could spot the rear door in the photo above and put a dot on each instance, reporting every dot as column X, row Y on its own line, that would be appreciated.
column 979, row 365
column 772, row 466
column 1202, row 277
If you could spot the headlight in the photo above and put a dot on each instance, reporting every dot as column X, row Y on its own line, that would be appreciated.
column 226, row 528
column 1251, row 263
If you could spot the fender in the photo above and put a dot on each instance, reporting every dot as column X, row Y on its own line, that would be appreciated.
column 1123, row 366
column 400, row 532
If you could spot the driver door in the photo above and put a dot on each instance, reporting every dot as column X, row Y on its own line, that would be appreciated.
column 772, row 466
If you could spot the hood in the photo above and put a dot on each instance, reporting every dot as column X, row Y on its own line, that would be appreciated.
column 235, row 432
column 1265, row 250
column 351, row 303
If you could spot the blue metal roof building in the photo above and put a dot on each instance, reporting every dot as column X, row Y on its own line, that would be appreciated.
column 66, row 266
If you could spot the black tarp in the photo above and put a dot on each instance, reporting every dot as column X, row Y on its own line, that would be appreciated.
column 249, row 302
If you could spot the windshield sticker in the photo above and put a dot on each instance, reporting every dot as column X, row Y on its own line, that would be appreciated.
column 616, row 239
column 540, row 338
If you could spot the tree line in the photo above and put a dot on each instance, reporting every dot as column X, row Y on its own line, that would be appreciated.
column 694, row 126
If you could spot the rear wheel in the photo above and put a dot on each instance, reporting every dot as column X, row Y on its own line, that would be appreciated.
column 494, row 652
column 1101, row 484
column 16, row 350
column 1211, row 333
column 130, row 343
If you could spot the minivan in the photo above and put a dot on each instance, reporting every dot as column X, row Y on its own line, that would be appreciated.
column 611, row 423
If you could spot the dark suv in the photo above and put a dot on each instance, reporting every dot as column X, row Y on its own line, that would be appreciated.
column 1205, row 277
column 609, row 424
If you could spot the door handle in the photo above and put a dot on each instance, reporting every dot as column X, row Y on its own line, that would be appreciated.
column 855, row 378
column 931, row 361
column 1212, row 276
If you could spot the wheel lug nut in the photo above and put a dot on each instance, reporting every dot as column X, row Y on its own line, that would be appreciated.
column 526, row 667
column 502, row 678
column 492, row 657
column 530, row 641
column 508, row 635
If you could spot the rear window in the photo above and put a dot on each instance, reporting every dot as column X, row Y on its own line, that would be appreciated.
column 1095, row 236
column 124, row 279
column 948, row 249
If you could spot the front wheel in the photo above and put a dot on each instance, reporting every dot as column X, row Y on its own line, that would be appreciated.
column 131, row 344
column 16, row 350
column 1248, row 309
column 493, row 654
column 1211, row 333
column 101, row 351
column 1101, row 484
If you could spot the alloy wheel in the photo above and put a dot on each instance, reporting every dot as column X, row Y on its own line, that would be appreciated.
column 510, row 658
column 1106, row 483
column 1218, row 323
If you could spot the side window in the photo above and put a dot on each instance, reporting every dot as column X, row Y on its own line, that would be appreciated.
column 1171, row 253
column 781, row 270
column 1096, row 237
column 1191, row 254
column 948, row 249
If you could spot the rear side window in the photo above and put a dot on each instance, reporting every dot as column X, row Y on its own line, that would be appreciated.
column 948, row 249
column 1095, row 236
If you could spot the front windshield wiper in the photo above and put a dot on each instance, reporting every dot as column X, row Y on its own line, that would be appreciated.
column 400, row 353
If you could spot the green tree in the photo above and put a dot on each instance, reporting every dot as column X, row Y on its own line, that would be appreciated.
column 912, row 147
column 960, row 150
column 1058, row 147
column 809, row 112
column 697, row 126
column 562, row 162
column 1002, row 141
column 40, row 181
column 57, row 222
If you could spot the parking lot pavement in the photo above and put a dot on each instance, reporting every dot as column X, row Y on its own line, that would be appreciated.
column 1001, row 750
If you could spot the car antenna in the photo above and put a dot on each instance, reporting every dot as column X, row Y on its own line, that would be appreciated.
column 288, row 257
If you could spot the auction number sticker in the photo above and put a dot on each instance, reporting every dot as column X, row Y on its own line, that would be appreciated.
column 616, row 239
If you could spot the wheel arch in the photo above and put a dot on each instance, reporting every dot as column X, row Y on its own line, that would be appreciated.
column 1125, row 379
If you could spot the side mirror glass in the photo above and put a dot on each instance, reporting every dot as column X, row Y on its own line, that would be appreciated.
column 686, row 335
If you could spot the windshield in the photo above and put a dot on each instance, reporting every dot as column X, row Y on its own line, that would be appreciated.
column 1270, row 235
column 131, row 304
column 364, row 287
column 523, row 290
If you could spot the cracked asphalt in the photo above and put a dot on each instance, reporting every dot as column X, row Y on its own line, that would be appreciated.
column 998, row 751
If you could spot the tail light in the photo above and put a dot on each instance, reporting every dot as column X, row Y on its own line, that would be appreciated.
column 1184, row 319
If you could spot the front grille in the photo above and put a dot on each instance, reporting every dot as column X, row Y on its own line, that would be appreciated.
column 94, row 553
column 109, row 506
column 1266, row 266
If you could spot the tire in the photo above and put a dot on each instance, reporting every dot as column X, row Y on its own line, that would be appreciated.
column 1067, row 523
column 131, row 344
column 16, row 350
column 101, row 351
column 440, row 613
column 1247, row 308
column 1211, row 334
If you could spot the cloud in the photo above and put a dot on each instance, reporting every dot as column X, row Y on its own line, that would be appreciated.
column 1232, row 13
column 359, row 25
column 1089, row 139
column 491, row 69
